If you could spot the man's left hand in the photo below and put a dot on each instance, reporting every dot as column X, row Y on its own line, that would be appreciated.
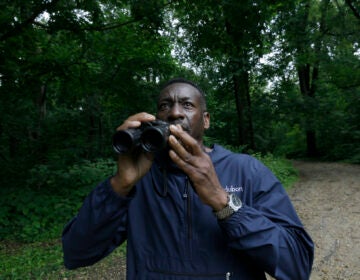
column 190, row 156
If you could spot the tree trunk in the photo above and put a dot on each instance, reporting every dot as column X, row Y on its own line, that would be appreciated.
column 307, row 89
column 243, row 107
column 239, row 110
column 308, row 76
column 249, row 110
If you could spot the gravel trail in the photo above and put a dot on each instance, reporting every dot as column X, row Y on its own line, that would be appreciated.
column 327, row 198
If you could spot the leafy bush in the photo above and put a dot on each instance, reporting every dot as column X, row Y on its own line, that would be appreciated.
column 39, row 210
column 281, row 167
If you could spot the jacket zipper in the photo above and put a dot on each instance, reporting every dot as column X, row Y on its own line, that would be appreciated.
column 187, row 197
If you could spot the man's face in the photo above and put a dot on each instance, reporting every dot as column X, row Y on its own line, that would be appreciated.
column 181, row 103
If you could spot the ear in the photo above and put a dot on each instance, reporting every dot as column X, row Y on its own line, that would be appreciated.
column 206, row 119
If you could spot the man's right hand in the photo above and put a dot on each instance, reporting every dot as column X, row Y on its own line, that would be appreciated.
column 132, row 167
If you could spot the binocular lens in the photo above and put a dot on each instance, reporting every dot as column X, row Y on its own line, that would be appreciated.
column 153, row 139
column 124, row 140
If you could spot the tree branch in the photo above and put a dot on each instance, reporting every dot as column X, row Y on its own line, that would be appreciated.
column 353, row 8
column 19, row 27
column 90, row 27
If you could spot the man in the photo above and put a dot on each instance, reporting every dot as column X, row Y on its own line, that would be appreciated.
column 190, row 212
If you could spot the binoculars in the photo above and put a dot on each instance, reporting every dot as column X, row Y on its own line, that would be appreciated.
column 150, row 136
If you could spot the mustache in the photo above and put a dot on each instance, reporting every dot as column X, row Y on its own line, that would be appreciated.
column 184, row 126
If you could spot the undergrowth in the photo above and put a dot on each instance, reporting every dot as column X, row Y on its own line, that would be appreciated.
column 44, row 260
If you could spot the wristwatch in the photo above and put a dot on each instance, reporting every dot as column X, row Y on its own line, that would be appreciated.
column 233, row 205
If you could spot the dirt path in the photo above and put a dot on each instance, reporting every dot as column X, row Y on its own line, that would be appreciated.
column 327, row 198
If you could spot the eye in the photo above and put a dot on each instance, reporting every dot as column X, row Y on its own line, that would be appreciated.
column 188, row 105
column 163, row 106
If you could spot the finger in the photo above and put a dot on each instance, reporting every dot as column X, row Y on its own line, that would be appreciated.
column 183, row 165
column 186, row 139
column 136, row 120
column 142, row 117
column 129, row 124
column 179, row 150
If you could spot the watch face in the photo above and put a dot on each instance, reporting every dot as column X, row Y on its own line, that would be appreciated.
column 236, row 201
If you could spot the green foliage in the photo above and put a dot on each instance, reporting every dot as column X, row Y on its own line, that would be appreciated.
column 69, row 79
column 44, row 260
column 51, row 197
column 32, row 261
column 290, row 140
column 281, row 167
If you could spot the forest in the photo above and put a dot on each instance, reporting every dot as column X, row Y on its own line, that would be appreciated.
column 282, row 80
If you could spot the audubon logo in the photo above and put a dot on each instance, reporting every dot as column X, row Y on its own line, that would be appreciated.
column 233, row 188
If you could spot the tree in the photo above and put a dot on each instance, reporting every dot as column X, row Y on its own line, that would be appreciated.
column 227, row 39
column 318, row 35
column 70, row 72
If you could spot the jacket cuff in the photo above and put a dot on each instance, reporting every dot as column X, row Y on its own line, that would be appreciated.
column 110, row 190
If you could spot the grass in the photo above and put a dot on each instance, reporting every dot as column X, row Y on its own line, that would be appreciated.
column 43, row 260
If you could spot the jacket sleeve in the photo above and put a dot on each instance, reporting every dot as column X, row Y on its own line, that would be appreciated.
column 268, row 230
column 98, row 229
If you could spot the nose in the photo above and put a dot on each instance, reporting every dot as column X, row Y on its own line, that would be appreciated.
column 176, row 113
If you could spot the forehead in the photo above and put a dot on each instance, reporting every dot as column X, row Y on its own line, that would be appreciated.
column 177, row 91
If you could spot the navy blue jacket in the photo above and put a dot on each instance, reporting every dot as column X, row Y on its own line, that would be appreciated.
column 171, row 234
